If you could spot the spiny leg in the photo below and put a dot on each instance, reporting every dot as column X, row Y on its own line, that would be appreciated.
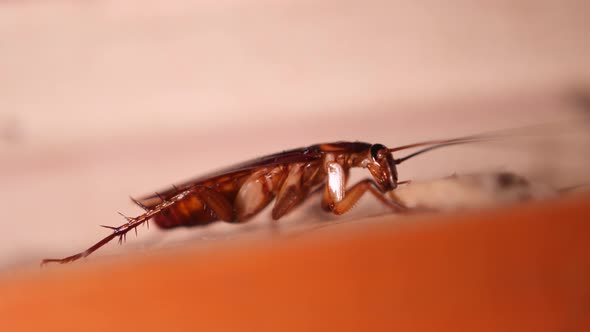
column 216, row 202
column 122, row 230
column 302, row 178
column 354, row 194
column 140, row 204
column 258, row 191
column 338, row 200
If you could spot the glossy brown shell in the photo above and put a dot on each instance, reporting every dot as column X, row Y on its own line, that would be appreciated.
column 191, row 211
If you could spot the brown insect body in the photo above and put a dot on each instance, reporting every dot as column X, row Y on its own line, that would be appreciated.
column 237, row 193
column 241, row 191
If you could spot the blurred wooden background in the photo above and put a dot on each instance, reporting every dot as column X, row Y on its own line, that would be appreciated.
column 518, row 269
column 101, row 100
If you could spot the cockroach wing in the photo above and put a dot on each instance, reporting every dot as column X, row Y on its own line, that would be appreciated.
column 226, row 182
column 237, row 171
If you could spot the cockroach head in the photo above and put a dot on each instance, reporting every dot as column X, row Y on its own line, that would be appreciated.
column 382, row 167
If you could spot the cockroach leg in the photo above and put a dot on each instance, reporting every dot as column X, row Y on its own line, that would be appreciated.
column 293, row 191
column 352, row 196
column 109, row 227
column 122, row 230
column 338, row 200
column 394, row 202
column 290, row 193
column 257, row 192
column 124, row 216
column 138, row 203
column 216, row 202
column 175, row 188
column 336, row 182
column 122, row 238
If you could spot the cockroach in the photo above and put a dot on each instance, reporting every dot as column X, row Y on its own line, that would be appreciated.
column 237, row 193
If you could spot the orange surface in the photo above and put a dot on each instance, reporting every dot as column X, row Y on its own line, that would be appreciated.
column 525, row 268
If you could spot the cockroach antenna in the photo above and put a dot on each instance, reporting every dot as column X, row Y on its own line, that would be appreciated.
column 430, row 148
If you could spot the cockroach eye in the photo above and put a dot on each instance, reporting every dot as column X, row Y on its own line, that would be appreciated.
column 375, row 148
